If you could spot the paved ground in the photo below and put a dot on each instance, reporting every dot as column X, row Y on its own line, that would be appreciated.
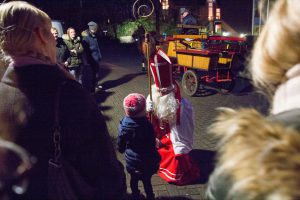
column 121, row 76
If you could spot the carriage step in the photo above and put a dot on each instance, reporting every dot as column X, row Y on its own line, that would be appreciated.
column 223, row 80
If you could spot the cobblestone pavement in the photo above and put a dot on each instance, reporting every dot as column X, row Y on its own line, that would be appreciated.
column 121, row 76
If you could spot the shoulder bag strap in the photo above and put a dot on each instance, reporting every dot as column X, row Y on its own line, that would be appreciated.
column 56, row 126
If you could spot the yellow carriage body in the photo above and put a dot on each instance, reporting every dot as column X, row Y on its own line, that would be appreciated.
column 184, row 42
column 192, row 51
column 197, row 59
column 202, row 59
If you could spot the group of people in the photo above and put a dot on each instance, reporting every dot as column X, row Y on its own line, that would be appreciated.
column 81, row 56
column 258, row 157
column 42, row 84
column 29, row 92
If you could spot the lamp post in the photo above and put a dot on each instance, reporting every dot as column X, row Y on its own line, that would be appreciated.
column 165, row 7
column 165, row 4
column 211, row 16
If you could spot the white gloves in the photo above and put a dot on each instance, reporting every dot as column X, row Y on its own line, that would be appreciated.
column 149, row 105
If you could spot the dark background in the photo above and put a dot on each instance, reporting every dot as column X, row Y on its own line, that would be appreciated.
column 237, row 13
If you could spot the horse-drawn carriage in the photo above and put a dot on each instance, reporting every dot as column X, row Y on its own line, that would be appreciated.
column 204, row 62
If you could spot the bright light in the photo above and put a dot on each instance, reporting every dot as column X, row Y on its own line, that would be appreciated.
column 210, row 11
column 243, row 35
column 226, row 33
column 218, row 13
column 164, row 4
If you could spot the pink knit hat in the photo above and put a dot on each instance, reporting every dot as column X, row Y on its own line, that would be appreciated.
column 134, row 105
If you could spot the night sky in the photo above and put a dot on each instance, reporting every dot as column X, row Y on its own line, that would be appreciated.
column 237, row 13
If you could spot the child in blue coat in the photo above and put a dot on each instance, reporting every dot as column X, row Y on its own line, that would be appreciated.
column 137, row 140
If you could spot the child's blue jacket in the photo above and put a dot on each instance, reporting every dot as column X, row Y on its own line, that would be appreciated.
column 136, row 138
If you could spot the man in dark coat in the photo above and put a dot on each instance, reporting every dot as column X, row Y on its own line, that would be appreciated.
column 139, row 37
column 188, row 19
column 62, row 52
column 92, row 58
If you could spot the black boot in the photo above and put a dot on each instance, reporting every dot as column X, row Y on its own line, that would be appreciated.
column 137, row 197
column 150, row 197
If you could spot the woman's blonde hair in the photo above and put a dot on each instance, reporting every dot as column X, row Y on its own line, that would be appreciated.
column 69, row 30
column 278, row 47
column 258, row 163
column 18, row 20
column 54, row 29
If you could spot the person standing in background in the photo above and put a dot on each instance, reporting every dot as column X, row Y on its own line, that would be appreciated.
column 139, row 38
column 92, row 58
column 76, row 50
column 188, row 19
column 148, row 48
column 62, row 52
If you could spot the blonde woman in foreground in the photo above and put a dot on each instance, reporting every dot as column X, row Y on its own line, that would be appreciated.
column 259, row 156
column 27, row 95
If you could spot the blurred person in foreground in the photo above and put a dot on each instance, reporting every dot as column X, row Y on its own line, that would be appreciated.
column 27, row 98
column 258, row 157
column 15, row 168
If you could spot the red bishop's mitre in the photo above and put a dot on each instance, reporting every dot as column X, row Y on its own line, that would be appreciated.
column 161, row 69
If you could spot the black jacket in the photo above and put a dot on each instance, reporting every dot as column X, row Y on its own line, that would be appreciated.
column 27, row 108
column 189, row 20
column 62, row 52
column 136, row 138
column 91, row 47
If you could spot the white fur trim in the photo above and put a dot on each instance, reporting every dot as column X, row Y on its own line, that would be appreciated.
column 293, row 72
column 164, row 55
column 182, row 135
column 164, row 90
column 287, row 96
column 170, row 175
column 157, row 70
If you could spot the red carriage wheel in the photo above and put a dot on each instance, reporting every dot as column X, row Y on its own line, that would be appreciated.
column 190, row 83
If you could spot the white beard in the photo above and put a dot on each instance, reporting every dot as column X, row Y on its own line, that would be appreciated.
column 165, row 107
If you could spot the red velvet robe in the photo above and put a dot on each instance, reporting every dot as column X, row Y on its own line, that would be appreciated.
column 176, row 165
